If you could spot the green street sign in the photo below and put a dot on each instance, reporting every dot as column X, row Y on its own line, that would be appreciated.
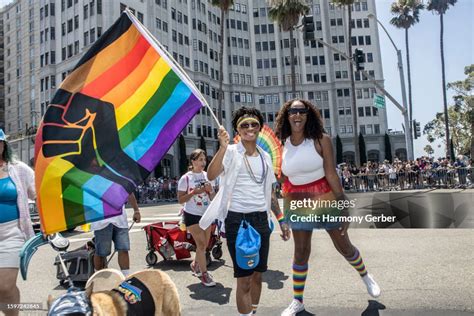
column 379, row 101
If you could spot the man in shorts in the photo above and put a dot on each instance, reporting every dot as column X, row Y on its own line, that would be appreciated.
column 114, row 229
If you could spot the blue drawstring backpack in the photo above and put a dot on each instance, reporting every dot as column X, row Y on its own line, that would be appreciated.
column 247, row 246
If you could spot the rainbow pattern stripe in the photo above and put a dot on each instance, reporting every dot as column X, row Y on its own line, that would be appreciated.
column 268, row 141
column 108, row 125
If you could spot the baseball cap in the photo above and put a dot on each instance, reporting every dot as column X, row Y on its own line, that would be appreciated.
column 247, row 246
column 2, row 135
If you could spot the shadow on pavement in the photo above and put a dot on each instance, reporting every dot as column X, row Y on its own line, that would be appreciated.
column 183, row 265
column 218, row 294
column 373, row 309
column 275, row 279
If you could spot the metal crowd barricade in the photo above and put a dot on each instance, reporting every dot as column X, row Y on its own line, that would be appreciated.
column 449, row 178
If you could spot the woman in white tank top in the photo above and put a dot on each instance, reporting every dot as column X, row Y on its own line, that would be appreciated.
column 310, row 185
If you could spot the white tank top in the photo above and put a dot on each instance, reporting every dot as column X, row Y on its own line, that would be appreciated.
column 302, row 164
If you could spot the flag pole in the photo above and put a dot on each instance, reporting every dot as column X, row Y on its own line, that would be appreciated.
column 183, row 72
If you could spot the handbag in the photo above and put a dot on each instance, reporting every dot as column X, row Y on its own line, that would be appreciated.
column 247, row 246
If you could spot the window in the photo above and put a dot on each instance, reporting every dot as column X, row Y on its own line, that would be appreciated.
column 368, row 111
column 92, row 35
column 369, row 129
column 376, row 129
column 86, row 38
column 69, row 25
column 370, row 58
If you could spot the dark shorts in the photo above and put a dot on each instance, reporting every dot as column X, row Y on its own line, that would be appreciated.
column 191, row 219
column 259, row 221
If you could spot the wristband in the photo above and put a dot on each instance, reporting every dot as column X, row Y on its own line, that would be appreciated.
column 280, row 218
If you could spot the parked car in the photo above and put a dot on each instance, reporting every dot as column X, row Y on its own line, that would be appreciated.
column 34, row 215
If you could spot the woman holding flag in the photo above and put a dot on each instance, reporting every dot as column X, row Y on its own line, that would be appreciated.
column 245, row 193
column 17, row 185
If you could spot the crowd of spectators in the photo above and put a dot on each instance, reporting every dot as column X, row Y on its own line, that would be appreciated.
column 153, row 190
column 422, row 173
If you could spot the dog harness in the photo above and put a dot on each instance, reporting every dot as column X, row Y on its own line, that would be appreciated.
column 138, row 297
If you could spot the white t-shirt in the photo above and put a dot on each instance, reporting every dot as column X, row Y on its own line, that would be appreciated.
column 198, row 203
column 248, row 196
column 119, row 221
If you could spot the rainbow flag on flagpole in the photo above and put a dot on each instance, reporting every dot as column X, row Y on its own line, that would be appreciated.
column 109, row 124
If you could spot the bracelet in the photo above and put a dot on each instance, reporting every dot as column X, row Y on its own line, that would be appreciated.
column 280, row 218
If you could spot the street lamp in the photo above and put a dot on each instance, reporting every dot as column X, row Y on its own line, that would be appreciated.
column 408, row 131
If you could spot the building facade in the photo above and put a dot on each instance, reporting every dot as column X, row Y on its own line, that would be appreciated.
column 44, row 39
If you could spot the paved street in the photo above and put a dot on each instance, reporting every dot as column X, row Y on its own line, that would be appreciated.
column 420, row 271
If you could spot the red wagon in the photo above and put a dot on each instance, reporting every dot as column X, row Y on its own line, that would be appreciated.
column 170, row 241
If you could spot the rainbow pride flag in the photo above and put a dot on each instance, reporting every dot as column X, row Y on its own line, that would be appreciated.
column 109, row 124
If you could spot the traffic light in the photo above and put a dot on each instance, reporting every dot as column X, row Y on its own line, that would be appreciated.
column 416, row 129
column 359, row 59
column 308, row 28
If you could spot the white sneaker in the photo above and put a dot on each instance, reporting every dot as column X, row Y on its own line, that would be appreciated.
column 372, row 286
column 294, row 308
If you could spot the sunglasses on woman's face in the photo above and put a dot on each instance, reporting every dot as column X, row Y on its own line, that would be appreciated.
column 247, row 125
column 294, row 111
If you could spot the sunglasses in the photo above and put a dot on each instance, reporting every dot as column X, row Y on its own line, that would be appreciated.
column 247, row 125
column 294, row 111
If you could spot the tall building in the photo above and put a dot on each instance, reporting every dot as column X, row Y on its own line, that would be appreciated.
column 21, row 68
column 46, row 38
column 2, row 79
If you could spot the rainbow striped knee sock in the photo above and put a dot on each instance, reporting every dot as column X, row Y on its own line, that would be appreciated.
column 357, row 262
column 299, row 278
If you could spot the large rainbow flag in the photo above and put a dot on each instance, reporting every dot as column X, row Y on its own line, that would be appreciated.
column 109, row 124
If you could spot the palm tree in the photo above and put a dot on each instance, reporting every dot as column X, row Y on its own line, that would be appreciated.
column 440, row 7
column 348, row 4
column 407, row 14
column 224, row 5
column 287, row 14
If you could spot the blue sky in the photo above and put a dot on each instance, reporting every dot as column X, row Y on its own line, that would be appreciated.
column 425, row 61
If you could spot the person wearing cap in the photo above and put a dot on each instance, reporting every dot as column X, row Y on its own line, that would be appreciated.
column 246, row 193
column 17, row 185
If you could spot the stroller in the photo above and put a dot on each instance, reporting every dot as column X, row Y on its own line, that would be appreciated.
column 79, row 263
column 168, row 239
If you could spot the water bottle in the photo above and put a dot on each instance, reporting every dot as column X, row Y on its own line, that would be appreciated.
column 166, row 249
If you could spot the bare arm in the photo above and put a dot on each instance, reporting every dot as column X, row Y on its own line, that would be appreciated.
column 136, row 212
column 285, row 230
column 330, row 167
